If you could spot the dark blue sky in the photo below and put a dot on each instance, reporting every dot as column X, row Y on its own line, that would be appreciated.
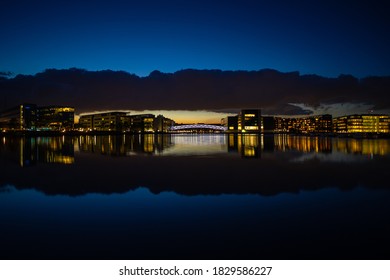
column 327, row 38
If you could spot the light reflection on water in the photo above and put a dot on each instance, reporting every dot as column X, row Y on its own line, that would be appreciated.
column 30, row 150
column 194, row 196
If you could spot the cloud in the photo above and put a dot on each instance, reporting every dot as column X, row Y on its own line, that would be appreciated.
column 212, row 90
column 5, row 74
column 339, row 109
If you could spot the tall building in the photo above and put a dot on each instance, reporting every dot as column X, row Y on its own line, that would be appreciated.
column 249, row 120
column 365, row 123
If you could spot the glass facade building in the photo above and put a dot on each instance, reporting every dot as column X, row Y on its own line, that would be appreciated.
column 369, row 123
column 31, row 117
column 55, row 118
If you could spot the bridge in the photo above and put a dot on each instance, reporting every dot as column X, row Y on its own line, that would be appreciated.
column 198, row 127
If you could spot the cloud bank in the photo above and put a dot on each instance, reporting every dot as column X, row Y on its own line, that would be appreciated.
column 212, row 90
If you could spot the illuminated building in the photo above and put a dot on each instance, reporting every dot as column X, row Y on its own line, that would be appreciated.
column 86, row 122
column 120, row 121
column 368, row 123
column 55, row 117
column 314, row 124
column 162, row 124
column 232, row 123
column 324, row 123
column 142, row 123
column 304, row 125
column 32, row 117
column 22, row 117
column 279, row 124
column 249, row 120
column 109, row 121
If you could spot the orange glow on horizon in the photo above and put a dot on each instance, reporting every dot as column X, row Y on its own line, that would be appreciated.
column 179, row 116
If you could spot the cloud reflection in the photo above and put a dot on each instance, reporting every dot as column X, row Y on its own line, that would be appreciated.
column 193, row 165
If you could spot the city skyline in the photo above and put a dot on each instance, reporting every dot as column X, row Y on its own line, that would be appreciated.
column 180, row 116
column 28, row 117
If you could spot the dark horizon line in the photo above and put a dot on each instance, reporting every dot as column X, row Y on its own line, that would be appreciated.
column 11, row 75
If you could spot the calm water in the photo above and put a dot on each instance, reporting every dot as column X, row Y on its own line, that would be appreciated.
column 194, row 197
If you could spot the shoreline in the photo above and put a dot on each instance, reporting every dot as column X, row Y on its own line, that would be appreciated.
column 103, row 133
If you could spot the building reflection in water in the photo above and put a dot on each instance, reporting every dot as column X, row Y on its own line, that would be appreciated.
column 362, row 146
column 305, row 144
column 125, row 145
column 46, row 150
column 253, row 145
column 247, row 145
column 31, row 150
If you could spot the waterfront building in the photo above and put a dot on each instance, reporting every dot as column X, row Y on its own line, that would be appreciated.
column 31, row 117
column 323, row 123
column 248, row 120
column 268, row 124
column 122, row 122
column 314, row 124
column 142, row 123
column 363, row 123
column 86, row 122
column 21, row 117
column 304, row 125
column 232, row 123
column 162, row 124
column 108, row 121
column 55, row 118
column 280, row 124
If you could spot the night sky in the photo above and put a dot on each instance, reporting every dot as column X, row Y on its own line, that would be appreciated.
column 322, row 37
column 327, row 38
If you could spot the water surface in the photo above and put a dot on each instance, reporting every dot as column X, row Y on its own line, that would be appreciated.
column 194, row 197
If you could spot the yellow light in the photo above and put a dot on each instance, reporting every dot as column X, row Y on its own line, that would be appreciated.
column 255, row 127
